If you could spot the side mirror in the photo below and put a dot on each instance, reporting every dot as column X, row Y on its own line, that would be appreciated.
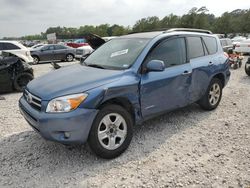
column 155, row 66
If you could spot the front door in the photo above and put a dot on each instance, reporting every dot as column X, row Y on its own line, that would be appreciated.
column 169, row 89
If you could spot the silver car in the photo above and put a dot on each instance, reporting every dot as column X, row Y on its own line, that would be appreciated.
column 53, row 52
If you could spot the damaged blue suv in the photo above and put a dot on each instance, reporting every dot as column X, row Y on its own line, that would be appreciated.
column 124, row 82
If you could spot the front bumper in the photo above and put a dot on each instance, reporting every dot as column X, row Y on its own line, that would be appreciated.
column 66, row 128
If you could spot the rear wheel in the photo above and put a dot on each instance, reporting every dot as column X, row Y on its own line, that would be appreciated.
column 69, row 57
column 111, row 132
column 21, row 80
column 212, row 97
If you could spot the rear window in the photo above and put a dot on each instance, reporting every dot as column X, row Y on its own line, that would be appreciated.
column 211, row 44
column 195, row 47
column 10, row 46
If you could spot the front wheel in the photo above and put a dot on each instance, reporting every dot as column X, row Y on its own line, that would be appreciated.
column 111, row 132
column 212, row 97
column 21, row 80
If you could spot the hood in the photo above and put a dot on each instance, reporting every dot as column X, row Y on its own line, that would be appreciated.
column 70, row 80
column 94, row 40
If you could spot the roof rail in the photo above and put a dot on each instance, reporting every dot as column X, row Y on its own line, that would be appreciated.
column 189, row 30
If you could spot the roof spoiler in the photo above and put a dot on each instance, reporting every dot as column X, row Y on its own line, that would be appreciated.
column 189, row 30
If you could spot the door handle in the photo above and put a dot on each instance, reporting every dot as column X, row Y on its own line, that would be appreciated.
column 186, row 72
column 210, row 63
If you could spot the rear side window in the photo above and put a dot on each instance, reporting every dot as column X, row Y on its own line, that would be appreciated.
column 10, row 46
column 211, row 44
column 59, row 47
column 1, row 46
column 195, row 47
column 171, row 52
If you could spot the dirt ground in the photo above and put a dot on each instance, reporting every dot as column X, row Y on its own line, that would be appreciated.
column 185, row 148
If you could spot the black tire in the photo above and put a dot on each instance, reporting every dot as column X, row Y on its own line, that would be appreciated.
column 205, row 102
column 69, row 57
column 21, row 80
column 97, row 146
column 36, row 59
column 247, row 70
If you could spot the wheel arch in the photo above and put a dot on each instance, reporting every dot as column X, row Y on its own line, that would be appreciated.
column 123, row 102
column 221, row 77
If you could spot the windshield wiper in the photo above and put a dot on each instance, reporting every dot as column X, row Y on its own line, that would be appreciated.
column 96, row 66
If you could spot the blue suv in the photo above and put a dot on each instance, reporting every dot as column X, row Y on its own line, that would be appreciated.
column 123, row 83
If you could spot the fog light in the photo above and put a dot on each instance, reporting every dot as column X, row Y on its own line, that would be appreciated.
column 66, row 135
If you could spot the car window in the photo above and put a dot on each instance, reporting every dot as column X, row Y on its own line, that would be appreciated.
column 10, row 46
column 171, row 52
column 195, row 47
column 223, row 43
column 211, row 44
column 1, row 46
column 117, row 53
column 60, row 47
column 47, row 48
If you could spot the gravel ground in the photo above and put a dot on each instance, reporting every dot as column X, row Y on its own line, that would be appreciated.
column 185, row 148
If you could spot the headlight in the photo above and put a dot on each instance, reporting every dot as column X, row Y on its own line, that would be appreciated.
column 66, row 103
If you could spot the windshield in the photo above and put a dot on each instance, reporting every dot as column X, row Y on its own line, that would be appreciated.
column 117, row 53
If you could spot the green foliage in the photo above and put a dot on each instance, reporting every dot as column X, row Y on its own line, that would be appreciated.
column 237, row 21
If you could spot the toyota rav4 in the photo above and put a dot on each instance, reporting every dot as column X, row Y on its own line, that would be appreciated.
column 123, row 83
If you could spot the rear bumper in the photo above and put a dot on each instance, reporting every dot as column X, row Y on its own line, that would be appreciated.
column 66, row 128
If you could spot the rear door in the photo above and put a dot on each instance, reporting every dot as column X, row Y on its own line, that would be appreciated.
column 60, row 52
column 47, row 53
column 169, row 89
column 203, row 59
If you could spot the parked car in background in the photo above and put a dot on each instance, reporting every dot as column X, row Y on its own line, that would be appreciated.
column 226, row 44
column 243, row 47
column 53, row 52
column 94, row 41
column 77, row 43
column 16, row 49
column 14, row 73
column 124, row 82
column 82, row 51
column 237, row 40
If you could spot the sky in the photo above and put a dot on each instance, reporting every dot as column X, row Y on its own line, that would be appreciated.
column 26, row 17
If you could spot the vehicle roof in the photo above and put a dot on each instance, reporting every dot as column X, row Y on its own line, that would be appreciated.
column 14, row 42
column 150, row 35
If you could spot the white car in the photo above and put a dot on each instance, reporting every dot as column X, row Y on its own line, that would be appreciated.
column 243, row 47
column 17, row 49
column 82, row 51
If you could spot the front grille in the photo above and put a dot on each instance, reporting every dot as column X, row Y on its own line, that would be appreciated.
column 33, row 100
column 79, row 52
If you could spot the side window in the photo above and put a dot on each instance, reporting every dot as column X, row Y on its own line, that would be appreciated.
column 1, row 46
column 211, row 44
column 9, row 46
column 46, row 48
column 171, row 52
column 195, row 47
column 59, row 47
